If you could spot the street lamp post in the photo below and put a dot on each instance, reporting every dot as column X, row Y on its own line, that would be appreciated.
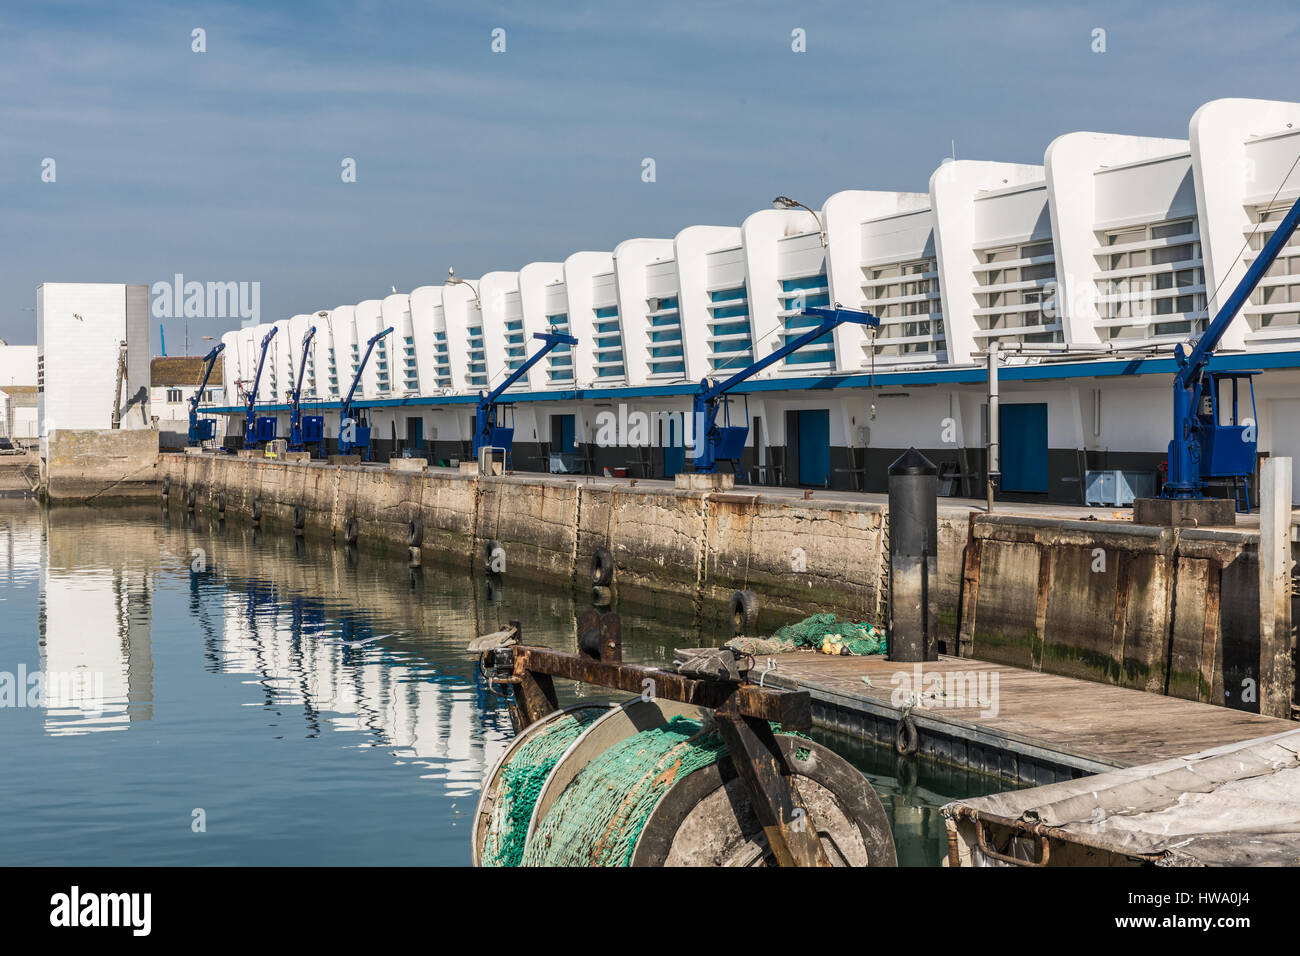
column 785, row 202
column 453, row 279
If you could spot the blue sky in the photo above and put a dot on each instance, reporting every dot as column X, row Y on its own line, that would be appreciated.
column 225, row 165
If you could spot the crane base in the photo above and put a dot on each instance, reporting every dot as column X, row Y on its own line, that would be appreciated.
column 1185, row 512
column 697, row 481
column 408, row 464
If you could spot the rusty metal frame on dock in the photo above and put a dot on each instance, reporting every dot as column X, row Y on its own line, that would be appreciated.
column 535, row 666
column 1045, row 834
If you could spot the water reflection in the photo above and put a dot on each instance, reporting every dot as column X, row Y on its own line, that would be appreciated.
column 332, row 670
column 912, row 791
column 331, row 667
column 95, row 623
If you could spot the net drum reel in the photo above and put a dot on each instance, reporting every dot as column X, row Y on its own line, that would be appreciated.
column 702, row 768
column 491, row 816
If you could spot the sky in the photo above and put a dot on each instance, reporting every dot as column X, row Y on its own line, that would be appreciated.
column 227, row 165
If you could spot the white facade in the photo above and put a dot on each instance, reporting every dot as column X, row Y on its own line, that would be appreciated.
column 464, row 326
column 559, row 364
column 399, row 345
column 344, row 323
column 292, row 350
column 689, row 274
column 1243, row 159
column 377, row 376
column 325, row 359
column 638, row 313
column 984, row 211
column 535, row 281
column 589, row 277
column 432, row 353
column 900, row 284
column 79, row 331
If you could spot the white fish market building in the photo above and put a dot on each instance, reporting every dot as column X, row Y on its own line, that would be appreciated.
column 1084, row 272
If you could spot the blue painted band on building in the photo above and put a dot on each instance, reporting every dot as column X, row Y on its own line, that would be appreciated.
column 970, row 375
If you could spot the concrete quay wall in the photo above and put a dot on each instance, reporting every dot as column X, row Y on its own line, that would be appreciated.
column 795, row 554
column 1170, row 611
column 98, row 464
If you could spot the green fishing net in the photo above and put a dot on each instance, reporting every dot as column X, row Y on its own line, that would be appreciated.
column 821, row 632
column 600, row 815
column 521, row 781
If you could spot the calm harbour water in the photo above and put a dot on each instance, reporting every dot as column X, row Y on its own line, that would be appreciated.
column 264, row 701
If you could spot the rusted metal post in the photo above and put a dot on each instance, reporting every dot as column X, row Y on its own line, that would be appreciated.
column 534, row 693
column 117, row 389
column 534, row 698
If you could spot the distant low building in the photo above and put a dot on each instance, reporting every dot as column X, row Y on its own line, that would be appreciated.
column 18, row 419
column 18, row 414
column 172, row 382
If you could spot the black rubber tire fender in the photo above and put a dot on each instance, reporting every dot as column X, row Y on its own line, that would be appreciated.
column 602, row 568
column 907, row 739
column 744, row 612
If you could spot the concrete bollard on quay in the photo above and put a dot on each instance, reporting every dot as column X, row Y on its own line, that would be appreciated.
column 913, row 559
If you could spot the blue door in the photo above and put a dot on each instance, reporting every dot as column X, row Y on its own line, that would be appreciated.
column 674, row 448
column 562, row 434
column 814, row 446
column 1024, row 446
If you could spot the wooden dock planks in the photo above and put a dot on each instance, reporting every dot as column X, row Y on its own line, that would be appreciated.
column 1114, row 726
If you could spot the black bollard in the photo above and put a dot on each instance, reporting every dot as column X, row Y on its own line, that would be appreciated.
column 913, row 558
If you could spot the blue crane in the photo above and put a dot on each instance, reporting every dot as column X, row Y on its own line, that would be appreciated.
column 203, row 429
column 726, row 442
column 259, row 429
column 353, row 434
column 1212, row 438
column 309, row 430
column 489, row 431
